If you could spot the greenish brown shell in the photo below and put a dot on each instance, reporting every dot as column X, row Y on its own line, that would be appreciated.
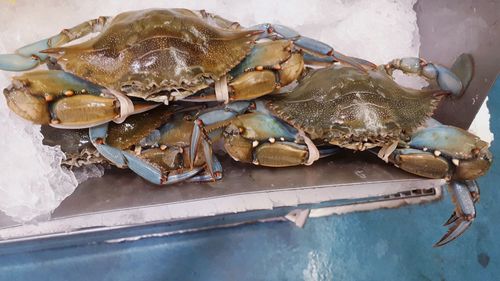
column 154, row 53
column 353, row 108
column 137, row 127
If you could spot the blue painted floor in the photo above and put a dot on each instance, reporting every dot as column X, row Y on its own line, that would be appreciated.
column 380, row 245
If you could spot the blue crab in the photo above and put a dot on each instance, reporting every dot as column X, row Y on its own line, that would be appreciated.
column 361, row 109
column 156, row 56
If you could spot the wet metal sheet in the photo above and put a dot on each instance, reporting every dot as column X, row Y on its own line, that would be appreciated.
column 121, row 198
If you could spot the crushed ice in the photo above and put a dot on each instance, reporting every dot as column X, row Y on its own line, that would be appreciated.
column 32, row 182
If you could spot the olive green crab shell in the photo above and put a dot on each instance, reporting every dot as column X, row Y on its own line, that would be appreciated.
column 147, row 53
column 342, row 105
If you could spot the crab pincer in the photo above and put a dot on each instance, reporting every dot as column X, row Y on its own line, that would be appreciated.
column 464, row 194
column 456, row 155
column 32, row 55
column 66, row 101
column 454, row 80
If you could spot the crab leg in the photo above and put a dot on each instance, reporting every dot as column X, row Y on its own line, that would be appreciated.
column 474, row 193
column 215, row 117
column 206, row 176
column 59, row 98
column 444, row 152
column 318, row 52
column 454, row 154
column 145, row 165
column 454, row 80
column 98, row 135
column 274, row 153
column 155, row 175
column 269, row 67
column 63, row 100
column 263, row 140
column 318, row 60
column 461, row 192
column 30, row 56
column 256, row 137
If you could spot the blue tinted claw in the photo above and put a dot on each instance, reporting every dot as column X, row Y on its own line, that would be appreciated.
column 211, row 117
column 208, row 153
column 445, row 78
column 314, row 46
column 324, row 53
column 475, row 194
column 465, row 210
column 31, row 55
column 312, row 59
column 463, row 68
column 316, row 51
column 98, row 136
column 454, row 80
column 328, row 151
column 16, row 62
column 275, row 29
column 217, row 168
column 453, row 218
column 195, row 141
column 206, row 176
column 154, row 174
column 284, row 32
column 452, row 142
column 454, row 232
column 27, row 57
column 140, row 166
column 448, row 81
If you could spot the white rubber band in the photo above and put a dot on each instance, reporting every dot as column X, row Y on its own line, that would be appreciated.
column 126, row 106
column 313, row 150
column 221, row 90
column 386, row 150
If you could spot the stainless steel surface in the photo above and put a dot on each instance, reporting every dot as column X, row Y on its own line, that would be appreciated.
column 449, row 28
column 123, row 189
column 121, row 198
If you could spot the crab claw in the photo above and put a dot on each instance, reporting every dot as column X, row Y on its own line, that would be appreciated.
column 474, row 191
column 60, row 99
column 196, row 136
column 454, row 80
column 16, row 62
column 453, row 218
column 27, row 57
column 464, row 194
column 211, row 117
column 31, row 55
column 63, row 100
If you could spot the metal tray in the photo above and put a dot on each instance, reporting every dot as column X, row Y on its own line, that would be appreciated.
column 347, row 182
